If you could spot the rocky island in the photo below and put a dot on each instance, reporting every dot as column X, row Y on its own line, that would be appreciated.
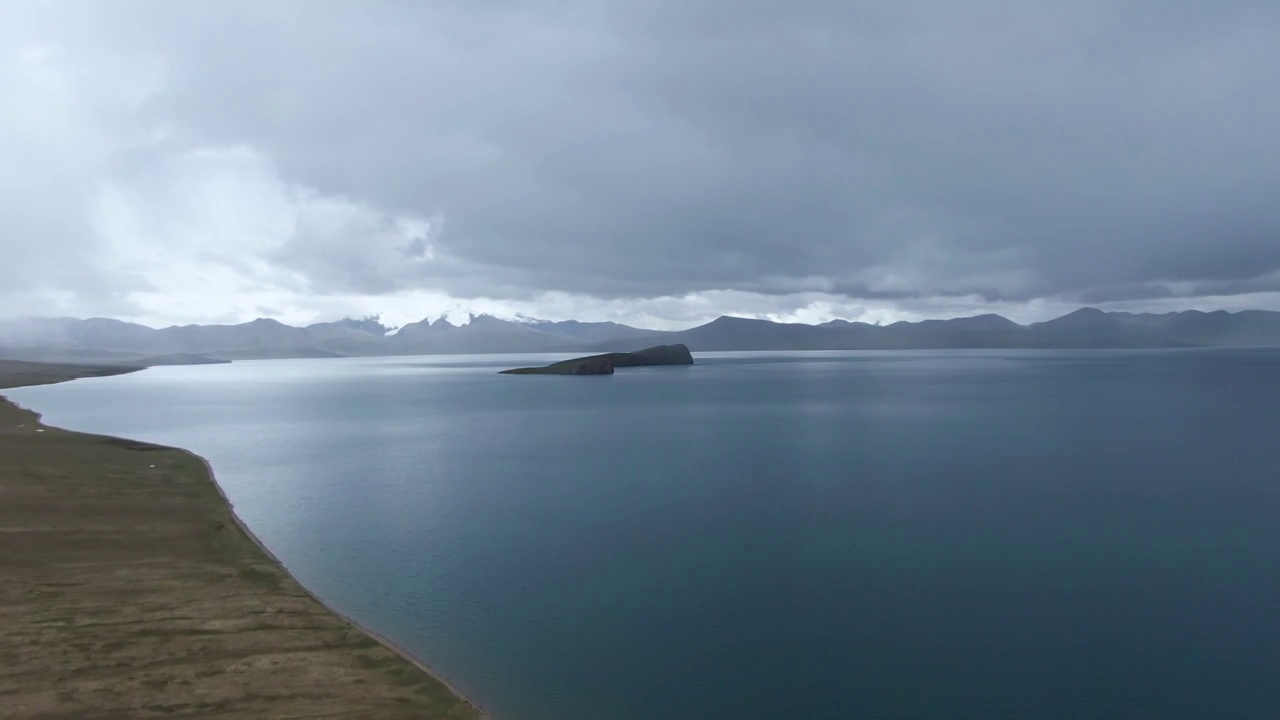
column 604, row 364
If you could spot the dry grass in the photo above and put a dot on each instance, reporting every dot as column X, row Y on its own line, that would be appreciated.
column 128, row 590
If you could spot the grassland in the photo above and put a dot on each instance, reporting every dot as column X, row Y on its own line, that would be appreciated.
column 128, row 589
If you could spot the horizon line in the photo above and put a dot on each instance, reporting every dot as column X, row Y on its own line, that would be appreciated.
column 520, row 319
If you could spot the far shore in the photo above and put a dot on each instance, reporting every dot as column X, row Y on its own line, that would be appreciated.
column 131, row 589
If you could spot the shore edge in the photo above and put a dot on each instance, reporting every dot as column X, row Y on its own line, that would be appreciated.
column 380, row 638
column 251, row 537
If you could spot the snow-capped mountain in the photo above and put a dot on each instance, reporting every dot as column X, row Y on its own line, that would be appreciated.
column 105, row 340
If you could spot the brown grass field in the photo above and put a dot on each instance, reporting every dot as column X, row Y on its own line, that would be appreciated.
column 128, row 589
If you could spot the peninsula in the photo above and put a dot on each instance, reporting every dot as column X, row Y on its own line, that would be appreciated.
column 604, row 364
column 132, row 590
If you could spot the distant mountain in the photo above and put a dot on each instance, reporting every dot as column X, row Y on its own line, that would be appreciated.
column 483, row 334
column 263, row 336
column 1090, row 327
column 735, row 333
column 99, row 334
column 366, row 336
column 1084, row 328
column 591, row 332
column 107, row 340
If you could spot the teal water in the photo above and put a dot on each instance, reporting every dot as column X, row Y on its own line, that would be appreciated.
column 813, row 535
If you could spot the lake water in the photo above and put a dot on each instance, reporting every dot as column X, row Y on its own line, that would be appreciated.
column 978, row 534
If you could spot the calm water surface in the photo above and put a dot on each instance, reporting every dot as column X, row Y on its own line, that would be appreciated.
column 814, row 535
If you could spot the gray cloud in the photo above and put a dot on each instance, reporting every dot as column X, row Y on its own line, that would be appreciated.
column 1091, row 151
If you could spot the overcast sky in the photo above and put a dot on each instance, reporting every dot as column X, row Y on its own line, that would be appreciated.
column 653, row 162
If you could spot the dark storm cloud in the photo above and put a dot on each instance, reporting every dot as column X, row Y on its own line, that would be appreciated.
column 1009, row 151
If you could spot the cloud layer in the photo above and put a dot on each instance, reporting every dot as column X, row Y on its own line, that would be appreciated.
column 654, row 162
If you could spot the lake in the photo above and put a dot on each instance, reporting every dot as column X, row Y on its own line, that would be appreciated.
column 949, row 534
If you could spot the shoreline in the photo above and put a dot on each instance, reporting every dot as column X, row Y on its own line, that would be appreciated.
column 244, row 565
column 379, row 637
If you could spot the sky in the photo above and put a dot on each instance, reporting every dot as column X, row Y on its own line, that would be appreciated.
column 658, row 163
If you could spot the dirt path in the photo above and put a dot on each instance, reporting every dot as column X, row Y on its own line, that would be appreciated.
column 128, row 590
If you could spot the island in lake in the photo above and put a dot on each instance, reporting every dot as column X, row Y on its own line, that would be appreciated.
column 604, row 364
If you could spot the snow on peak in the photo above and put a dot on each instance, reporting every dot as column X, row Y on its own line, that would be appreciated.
column 459, row 316
column 522, row 318
column 456, row 316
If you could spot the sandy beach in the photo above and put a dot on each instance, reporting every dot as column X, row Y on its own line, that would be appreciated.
column 131, row 590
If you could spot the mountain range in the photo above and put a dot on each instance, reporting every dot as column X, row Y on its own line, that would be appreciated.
column 115, row 341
